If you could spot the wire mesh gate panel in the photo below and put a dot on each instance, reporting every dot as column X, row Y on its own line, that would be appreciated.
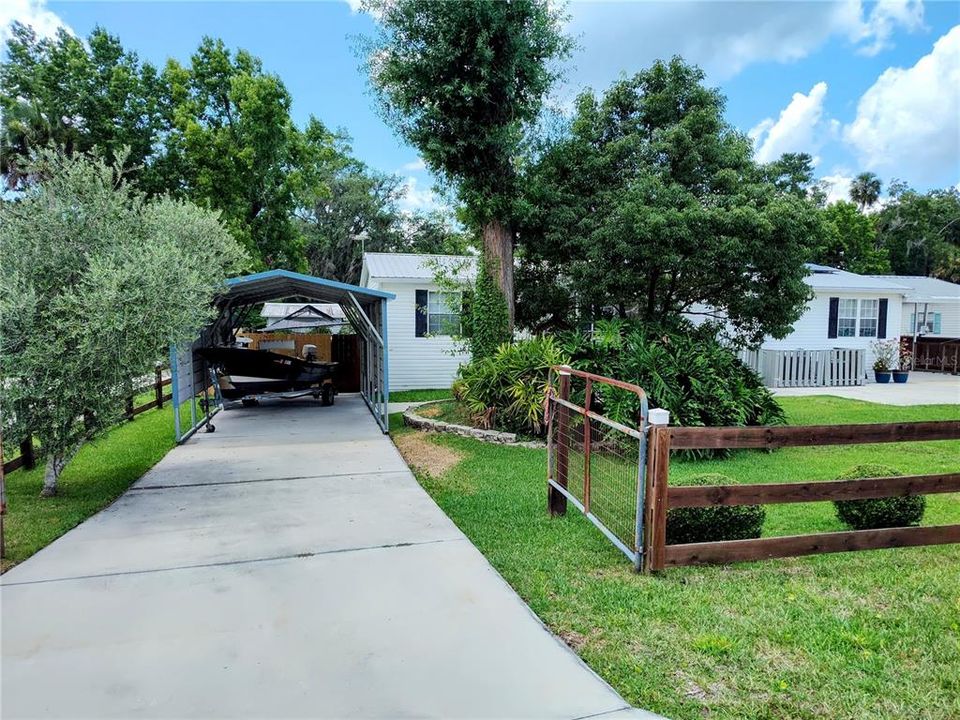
column 191, row 382
column 597, row 463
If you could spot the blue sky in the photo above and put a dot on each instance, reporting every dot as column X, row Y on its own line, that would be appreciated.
column 858, row 85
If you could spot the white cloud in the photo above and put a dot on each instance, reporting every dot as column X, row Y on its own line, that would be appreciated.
column 725, row 37
column 415, row 199
column 355, row 5
column 877, row 28
column 417, row 164
column 908, row 122
column 29, row 12
column 837, row 186
column 796, row 130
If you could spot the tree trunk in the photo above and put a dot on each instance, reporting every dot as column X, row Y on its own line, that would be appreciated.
column 498, row 249
column 50, row 477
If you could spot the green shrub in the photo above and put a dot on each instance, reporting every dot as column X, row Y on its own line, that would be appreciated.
column 682, row 368
column 879, row 512
column 708, row 524
column 506, row 390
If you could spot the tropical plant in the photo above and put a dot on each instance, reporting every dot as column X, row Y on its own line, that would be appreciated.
column 506, row 390
column 682, row 368
column 874, row 513
column 865, row 190
column 709, row 524
column 461, row 81
column 95, row 283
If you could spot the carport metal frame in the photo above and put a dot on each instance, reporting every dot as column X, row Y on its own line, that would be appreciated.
column 365, row 308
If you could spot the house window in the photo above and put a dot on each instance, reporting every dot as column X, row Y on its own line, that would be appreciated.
column 869, row 316
column 928, row 326
column 847, row 318
column 443, row 313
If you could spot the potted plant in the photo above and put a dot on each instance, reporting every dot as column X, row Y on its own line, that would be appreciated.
column 906, row 360
column 884, row 351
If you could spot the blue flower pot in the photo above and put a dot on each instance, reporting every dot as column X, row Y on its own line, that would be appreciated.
column 900, row 376
column 881, row 377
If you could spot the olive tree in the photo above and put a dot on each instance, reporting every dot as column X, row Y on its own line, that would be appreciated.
column 95, row 283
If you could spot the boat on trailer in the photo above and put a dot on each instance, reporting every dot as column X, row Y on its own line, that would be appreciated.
column 244, row 374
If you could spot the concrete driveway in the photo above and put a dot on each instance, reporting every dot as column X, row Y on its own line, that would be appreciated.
column 922, row 388
column 288, row 565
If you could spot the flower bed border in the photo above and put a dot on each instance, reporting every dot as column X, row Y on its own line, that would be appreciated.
column 491, row 436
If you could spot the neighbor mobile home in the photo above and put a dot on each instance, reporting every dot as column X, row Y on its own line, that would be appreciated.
column 831, row 342
column 424, row 319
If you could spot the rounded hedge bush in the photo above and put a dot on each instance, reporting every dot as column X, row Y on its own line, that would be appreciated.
column 708, row 524
column 878, row 512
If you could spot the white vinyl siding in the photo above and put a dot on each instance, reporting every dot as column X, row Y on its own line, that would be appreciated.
column 416, row 362
column 810, row 331
column 944, row 317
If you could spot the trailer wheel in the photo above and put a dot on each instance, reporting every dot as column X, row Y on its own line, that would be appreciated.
column 211, row 428
column 327, row 395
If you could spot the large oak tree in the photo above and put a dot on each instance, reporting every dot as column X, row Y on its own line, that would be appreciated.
column 652, row 205
column 460, row 81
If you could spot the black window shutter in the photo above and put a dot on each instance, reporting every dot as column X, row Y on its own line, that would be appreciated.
column 421, row 319
column 832, row 320
column 882, row 319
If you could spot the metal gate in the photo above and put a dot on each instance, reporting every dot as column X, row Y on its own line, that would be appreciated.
column 596, row 463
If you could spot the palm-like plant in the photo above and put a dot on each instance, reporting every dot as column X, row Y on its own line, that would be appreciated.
column 865, row 190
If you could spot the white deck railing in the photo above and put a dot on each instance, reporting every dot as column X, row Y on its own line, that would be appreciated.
column 807, row 368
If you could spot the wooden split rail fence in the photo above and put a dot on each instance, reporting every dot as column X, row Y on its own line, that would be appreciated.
column 660, row 497
column 27, row 457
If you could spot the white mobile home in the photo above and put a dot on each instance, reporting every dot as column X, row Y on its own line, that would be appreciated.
column 423, row 318
column 831, row 342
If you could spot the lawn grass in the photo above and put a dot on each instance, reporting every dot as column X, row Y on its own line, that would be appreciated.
column 420, row 395
column 871, row 634
column 99, row 473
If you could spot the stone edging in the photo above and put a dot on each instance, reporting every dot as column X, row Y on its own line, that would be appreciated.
column 491, row 436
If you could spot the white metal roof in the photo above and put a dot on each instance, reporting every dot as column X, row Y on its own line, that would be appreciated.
column 926, row 289
column 282, row 310
column 822, row 277
column 416, row 266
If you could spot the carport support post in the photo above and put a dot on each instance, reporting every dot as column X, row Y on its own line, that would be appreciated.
column 556, row 500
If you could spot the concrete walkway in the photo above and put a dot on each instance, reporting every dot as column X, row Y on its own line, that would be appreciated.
column 288, row 565
column 922, row 388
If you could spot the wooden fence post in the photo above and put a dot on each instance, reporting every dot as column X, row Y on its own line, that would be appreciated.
column 658, row 471
column 556, row 500
column 158, row 385
column 28, row 454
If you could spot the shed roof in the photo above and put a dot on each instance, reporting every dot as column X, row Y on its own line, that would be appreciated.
column 276, row 284
column 417, row 266
column 926, row 289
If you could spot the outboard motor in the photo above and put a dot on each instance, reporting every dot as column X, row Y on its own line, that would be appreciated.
column 310, row 352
